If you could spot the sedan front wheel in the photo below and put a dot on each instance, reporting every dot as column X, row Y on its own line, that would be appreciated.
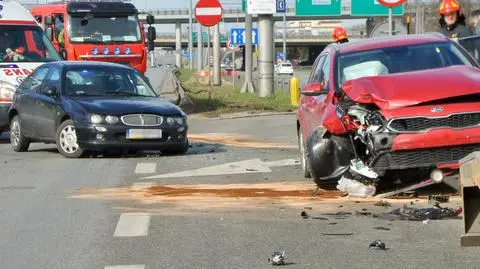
column 67, row 140
column 17, row 139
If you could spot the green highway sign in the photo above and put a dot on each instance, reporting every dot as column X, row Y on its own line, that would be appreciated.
column 223, row 37
column 373, row 8
column 319, row 7
column 244, row 5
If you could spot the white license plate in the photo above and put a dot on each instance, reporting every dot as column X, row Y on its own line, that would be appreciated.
column 144, row 133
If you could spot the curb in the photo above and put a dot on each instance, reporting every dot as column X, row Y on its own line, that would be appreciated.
column 231, row 117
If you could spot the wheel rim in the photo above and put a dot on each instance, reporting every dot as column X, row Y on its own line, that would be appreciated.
column 303, row 158
column 68, row 139
column 15, row 133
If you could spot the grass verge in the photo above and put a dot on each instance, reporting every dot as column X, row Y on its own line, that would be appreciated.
column 227, row 99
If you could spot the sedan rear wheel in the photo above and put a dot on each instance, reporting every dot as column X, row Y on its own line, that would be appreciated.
column 17, row 139
column 67, row 140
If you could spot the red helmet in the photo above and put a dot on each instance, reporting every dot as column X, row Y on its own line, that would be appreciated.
column 339, row 33
column 448, row 6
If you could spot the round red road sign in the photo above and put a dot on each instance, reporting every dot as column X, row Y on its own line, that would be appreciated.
column 208, row 12
column 391, row 3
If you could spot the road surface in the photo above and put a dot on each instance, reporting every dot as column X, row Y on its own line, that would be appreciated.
column 131, row 211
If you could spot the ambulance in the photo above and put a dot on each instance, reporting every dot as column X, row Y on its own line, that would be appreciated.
column 23, row 47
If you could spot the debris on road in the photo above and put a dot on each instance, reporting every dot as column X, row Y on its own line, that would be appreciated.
column 306, row 216
column 278, row 258
column 377, row 244
column 422, row 214
column 355, row 188
column 337, row 234
column 236, row 140
column 383, row 203
column 438, row 199
column 382, row 228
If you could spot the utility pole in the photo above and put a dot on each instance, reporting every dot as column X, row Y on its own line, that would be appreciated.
column 190, row 36
column 248, row 85
column 390, row 21
column 216, row 56
column 199, row 48
column 265, row 68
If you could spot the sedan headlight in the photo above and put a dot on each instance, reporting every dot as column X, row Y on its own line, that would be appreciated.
column 111, row 119
column 175, row 120
column 7, row 91
column 96, row 119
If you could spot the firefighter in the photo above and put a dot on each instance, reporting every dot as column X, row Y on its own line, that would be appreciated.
column 452, row 21
column 339, row 35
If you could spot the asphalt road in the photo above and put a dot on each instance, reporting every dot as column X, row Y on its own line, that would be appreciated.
column 100, row 212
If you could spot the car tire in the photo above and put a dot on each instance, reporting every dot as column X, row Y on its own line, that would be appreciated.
column 177, row 150
column 18, row 141
column 303, row 156
column 67, row 140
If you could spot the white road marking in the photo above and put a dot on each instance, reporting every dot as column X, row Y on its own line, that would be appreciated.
column 125, row 267
column 132, row 224
column 242, row 167
column 287, row 162
column 145, row 168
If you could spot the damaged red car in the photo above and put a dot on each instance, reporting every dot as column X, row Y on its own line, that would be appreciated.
column 389, row 109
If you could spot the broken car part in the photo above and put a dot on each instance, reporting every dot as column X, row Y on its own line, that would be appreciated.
column 278, row 258
column 378, row 245
column 355, row 188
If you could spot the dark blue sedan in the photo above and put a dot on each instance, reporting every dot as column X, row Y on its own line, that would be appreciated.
column 94, row 106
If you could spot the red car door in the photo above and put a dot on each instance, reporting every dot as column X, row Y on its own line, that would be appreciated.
column 313, row 105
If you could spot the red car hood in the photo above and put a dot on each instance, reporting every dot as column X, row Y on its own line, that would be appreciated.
column 412, row 88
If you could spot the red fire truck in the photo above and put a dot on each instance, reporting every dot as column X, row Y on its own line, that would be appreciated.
column 96, row 31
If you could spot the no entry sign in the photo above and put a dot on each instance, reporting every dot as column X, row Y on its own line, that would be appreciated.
column 208, row 12
column 391, row 3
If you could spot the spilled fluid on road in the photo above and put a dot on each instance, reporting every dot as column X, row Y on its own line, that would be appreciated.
column 237, row 140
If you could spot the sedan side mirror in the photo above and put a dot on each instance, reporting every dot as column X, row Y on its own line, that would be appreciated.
column 50, row 91
column 313, row 89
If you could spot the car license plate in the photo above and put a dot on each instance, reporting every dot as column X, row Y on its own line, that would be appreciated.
column 144, row 133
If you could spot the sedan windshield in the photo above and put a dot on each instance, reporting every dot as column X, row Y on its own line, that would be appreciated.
column 106, row 81
column 101, row 29
column 393, row 60
column 20, row 43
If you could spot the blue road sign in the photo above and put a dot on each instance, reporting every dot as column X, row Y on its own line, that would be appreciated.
column 280, row 55
column 237, row 36
column 186, row 53
column 281, row 5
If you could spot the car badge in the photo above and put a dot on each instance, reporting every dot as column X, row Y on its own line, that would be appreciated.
column 117, row 51
column 95, row 51
column 106, row 51
column 437, row 109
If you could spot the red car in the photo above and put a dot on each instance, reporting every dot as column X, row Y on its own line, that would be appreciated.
column 389, row 108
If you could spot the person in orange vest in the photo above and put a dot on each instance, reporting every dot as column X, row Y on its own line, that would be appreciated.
column 340, row 35
column 452, row 21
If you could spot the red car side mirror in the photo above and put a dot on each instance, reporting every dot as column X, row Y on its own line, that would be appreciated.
column 313, row 89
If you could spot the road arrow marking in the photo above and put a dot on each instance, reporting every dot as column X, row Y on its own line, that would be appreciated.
column 242, row 167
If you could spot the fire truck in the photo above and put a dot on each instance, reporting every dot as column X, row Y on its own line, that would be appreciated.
column 96, row 31
column 23, row 47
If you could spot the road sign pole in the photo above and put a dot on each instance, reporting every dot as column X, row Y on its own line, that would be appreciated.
column 390, row 21
column 265, row 42
column 190, row 36
column 285, row 36
column 216, row 56
column 208, row 65
column 199, row 48
column 248, row 85
column 178, row 45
